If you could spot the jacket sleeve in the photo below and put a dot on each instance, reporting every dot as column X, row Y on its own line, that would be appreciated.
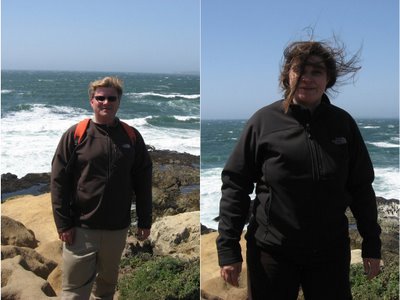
column 142, row 183
column 363, row 206
column 238, row 177
column 61, row 183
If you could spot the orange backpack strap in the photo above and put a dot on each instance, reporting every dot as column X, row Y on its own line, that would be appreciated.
column 80, row 130
column 129, row 131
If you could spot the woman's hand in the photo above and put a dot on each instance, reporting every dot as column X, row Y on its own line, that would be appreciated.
column 372, row 267
column 230, row 273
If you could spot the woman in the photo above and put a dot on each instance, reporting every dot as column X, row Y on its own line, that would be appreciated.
column 309, row 163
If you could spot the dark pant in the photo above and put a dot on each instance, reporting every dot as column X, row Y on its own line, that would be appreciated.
column 273, row 275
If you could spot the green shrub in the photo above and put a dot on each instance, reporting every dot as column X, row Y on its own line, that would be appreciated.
column 161, row 278
column 384, row 287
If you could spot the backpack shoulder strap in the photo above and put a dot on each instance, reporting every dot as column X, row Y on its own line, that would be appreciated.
column 80, row 130
column 129, row 131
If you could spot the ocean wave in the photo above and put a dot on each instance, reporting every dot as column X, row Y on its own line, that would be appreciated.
column 383, row 144
column 371, row 127
column 42, row 110
column 387, row 183
column 166, row 96
column 210, row 194
column 187, row 118
column 395, row 138
column 6, row 91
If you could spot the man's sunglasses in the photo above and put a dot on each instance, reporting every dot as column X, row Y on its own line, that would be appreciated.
column 103, row 98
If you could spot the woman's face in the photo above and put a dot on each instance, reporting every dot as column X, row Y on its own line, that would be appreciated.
column 311, row 82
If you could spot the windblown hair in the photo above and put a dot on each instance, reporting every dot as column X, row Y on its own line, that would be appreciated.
column 334, row 57
column 109, row 81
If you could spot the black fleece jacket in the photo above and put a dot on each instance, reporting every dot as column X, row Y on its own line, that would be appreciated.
column 308, row 168
column 93, row 183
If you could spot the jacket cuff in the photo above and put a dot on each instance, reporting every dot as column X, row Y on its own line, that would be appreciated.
column 371, row 249
column 229, row 256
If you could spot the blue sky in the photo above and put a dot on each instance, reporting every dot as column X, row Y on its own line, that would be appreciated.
column 242, row 44
column 122, row 35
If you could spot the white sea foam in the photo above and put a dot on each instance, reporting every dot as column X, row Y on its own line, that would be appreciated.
column 30, row 137
column 384, row 144
column 167, row 96
column 210, row 195
column 6, row 91
column 387, row 183
column 180, row 140
column 185, row 118
column 371, row 127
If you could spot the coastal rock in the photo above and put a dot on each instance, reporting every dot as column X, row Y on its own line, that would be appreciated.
column 177, row 236
column 18, row 283
column 388, row 208
column 55, row 280
column 212, row 285
column 51, row 250
column 134, row 246
column 35, row 213
column 205, row 229
column 15, row 233
column 39, row 181
column 164, row 157
column 30, row 260
column 176, row 189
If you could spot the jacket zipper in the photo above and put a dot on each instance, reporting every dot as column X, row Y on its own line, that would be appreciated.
column 315, row 156
column 109, row 156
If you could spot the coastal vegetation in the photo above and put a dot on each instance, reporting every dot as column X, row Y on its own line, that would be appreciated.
column 151, row 277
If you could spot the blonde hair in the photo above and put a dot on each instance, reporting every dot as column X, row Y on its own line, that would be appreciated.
column 108, row 81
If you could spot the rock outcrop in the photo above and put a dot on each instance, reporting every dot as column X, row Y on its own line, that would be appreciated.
column 15, row 233
column 177, row 236
column 19, row 283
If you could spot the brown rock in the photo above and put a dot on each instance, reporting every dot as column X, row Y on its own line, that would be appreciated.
column 35, row 213
column 212, row 285
column 21, row 284
column 177, row 236
column 51, row 250
column 55, row 280
column 30, row 260
column 15, row 233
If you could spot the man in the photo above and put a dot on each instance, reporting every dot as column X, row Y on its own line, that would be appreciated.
column 92, row 185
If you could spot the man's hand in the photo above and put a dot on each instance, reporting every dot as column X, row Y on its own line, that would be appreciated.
column 371, row 267
column 230, row 273
column 68, row 236
column 142, row 234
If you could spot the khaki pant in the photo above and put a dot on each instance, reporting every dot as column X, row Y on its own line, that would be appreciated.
column 91, row 264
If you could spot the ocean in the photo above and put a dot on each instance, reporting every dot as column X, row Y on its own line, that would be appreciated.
column 37, row 107
column 218, row 138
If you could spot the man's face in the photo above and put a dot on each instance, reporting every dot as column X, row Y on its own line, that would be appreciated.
column 105, row 104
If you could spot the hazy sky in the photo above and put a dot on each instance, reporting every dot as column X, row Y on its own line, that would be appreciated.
column 242, row 44
column 161, row 36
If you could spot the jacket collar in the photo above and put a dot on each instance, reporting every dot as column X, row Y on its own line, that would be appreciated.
column 303, row 114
